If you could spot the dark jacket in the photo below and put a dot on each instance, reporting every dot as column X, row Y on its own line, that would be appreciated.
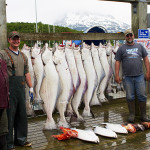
column 4, row 97
column 3, row 122
column 4, row 87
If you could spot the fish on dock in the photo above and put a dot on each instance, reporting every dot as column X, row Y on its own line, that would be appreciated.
column 130, row 127
column 146, row 124
column 87, row 135
column 118, row 128
column 67, row 134
column 104, row 132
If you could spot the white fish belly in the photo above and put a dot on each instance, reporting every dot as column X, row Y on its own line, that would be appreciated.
column 116, row 128
column 105, row 132
column 49, row 93
column 87, row 135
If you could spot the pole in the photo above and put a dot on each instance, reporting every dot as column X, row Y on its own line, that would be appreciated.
column 53, row 32
column 49, row 32
column 36, row 17
column 36, row 20
column 3, row 25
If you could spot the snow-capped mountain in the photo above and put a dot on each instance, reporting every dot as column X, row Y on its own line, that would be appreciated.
column 84, row 21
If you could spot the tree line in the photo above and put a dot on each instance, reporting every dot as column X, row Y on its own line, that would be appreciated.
column 42, row 28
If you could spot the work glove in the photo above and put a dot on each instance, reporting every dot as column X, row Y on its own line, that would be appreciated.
column 31, row 94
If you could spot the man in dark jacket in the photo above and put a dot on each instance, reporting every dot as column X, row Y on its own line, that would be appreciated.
column 3, row 104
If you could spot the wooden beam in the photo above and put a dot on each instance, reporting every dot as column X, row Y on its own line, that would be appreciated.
column 3, row 25
column 71, row 36
column 148, row 2
column 120, row 0
column 129, row 1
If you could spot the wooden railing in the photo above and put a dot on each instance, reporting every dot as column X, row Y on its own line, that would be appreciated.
column 72, row 36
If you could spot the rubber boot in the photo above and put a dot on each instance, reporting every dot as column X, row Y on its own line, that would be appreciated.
column 131, row 107
column 144, row 117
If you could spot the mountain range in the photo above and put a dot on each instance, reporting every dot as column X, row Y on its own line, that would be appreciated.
column 85, row 21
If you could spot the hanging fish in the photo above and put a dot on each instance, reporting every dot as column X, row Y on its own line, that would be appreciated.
column 50, row 88
column 62, row 68
column 91, row 78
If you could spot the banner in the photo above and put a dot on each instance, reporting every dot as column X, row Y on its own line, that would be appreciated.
column 146, row 44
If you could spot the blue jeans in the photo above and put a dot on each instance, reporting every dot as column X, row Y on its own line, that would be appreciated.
column 135, row 85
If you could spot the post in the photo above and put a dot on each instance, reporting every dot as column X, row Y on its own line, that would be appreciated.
column 3, row 25
column 139, row 21
column 53, row 32
column 49, row 32
column 139, row 16
column 36, row 17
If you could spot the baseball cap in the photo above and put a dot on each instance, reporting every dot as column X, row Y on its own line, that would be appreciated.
column 13, row 34
column 128, row 31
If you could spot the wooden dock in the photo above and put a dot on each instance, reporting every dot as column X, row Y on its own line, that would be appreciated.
column 113, row 112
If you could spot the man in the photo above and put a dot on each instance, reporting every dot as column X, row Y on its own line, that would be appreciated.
column 131, row 55
column 4, row 103
column 18, row 72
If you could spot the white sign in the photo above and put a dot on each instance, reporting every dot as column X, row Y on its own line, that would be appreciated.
column 146, row 44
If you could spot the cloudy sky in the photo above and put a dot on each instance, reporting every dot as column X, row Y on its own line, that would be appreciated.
column 50, row 11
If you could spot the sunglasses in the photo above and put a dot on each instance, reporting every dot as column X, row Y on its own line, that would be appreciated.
column 130, row 34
